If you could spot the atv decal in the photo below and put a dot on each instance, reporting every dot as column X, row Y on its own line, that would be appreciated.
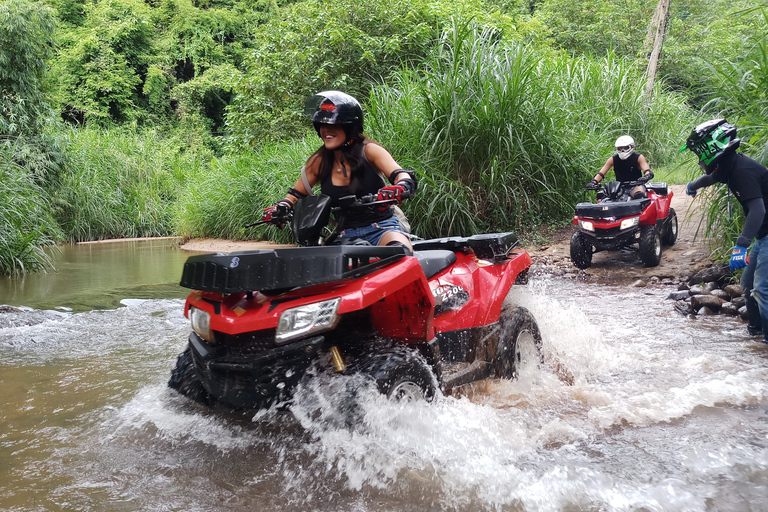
column 235, row 262
column 449, row 298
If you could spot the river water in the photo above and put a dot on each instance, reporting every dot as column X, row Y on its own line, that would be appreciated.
column 637, row 409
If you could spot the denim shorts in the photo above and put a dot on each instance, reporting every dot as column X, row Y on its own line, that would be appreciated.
column 372, row 233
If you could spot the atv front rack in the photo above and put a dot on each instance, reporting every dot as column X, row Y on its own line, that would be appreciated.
column 284, row 269
column 612, row 209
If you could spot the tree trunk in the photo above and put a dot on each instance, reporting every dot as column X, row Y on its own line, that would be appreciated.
column 654, row 40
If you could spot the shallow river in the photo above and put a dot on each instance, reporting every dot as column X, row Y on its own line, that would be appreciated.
column 638, row 409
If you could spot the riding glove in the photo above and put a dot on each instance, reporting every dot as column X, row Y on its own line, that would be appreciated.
column 593, row 185
column 391, row 192
column 688, row 190
column 273, row 214
column 739, row 258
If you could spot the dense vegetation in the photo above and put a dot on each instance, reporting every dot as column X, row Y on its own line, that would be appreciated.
column 128, row 118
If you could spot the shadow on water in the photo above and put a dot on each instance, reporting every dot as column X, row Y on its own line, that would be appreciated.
column 100, row 275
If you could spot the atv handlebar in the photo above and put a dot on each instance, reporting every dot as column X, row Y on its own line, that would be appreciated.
column 624, row 184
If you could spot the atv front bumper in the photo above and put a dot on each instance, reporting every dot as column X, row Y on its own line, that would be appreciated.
column 610, row 239
column 252, row 381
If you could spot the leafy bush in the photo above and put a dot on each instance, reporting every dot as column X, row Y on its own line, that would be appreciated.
column 319, row 45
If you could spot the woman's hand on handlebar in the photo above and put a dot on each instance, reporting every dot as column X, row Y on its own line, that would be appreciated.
column 394, row 193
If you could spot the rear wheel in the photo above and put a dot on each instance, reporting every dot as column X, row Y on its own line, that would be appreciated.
column 670, row 229
column 581, row 250
column 184, row 380
column 519, row 349
column 650, row 246
column 401, row 373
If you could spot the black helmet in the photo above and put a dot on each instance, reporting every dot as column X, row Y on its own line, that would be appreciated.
column 710, row 141
column 335, row 107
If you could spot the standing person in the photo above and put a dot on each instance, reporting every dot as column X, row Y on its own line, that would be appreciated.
column 348, row 163
column 628, row 165
column 714, row 142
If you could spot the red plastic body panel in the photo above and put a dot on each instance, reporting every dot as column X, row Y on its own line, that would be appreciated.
column 399, row 296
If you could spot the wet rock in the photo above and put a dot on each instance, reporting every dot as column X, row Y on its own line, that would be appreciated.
column 734, row 290
column 711, row 286
column 743, row 313
column 739, row 301
column 729, row 309
column 639, row 284
column 715, row 273
column 683, row 286
column 721, row 294
column 679, row 295
column 706, row 312
column 698, row 289
column 9, row 309
column 684, row 307
column 707, row 301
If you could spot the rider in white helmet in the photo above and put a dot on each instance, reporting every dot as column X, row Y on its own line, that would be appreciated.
column 627, row 165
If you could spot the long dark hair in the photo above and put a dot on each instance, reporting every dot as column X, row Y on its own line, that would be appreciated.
column 352, row 154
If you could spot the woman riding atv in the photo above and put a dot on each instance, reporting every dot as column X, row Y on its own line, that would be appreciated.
column 627, row 165
column 348, row 163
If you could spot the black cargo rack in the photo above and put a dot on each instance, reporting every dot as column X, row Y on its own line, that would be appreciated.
column 486, row 246
column 283, row 269
column 612, row 209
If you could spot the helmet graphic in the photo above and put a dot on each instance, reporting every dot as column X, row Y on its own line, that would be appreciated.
column 335, row 107
column 710, row 141
column 625, row 146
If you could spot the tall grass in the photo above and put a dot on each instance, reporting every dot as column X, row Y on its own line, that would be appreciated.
column 25, row 221
column 122, row 184
column 739, row 95
column 236, row 189
column 505, row 137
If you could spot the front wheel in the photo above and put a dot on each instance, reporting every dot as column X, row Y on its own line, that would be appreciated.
column 650, row 246
column 581, row 250
column 519, row 349
column 670, row 228
column 402, row 374
column 184, row 379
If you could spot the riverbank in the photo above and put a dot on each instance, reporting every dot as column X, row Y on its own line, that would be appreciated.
column 679, row 261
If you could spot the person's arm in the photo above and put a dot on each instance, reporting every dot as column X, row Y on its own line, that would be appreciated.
column 647, row 172
column 603, row 171
column 401, row 180
column 755, row 209
column 701, row 182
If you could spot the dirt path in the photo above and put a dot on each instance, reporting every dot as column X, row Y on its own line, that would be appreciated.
column 679, row 260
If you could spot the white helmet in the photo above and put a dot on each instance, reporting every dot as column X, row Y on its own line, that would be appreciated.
column 625, row 146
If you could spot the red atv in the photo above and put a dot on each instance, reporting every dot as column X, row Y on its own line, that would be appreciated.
column 411, row 323
column 617, row 222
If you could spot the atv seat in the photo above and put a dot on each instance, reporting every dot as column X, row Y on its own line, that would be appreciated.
column 434, row 261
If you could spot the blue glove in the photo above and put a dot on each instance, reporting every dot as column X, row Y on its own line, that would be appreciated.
column 689, row 191
column 739, row 258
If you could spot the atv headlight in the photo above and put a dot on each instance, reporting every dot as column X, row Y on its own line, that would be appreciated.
column 201, row 323
column 586, row 225
column 629, row 223
column 311, row 318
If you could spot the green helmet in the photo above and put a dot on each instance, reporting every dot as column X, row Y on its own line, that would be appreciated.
column 710, row 141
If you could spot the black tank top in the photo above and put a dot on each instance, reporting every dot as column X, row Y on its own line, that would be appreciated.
column 370, row 181
column 627, row 170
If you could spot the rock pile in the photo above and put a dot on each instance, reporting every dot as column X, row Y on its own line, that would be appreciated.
column 711, row 291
